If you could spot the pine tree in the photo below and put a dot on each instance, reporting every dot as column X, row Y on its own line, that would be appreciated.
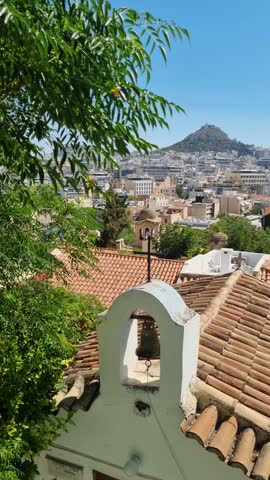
column 115, row 218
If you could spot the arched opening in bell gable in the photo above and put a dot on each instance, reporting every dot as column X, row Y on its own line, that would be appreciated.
column 141, row 359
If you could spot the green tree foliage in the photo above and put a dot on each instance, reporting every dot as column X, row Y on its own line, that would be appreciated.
column 38, row 327
column 71, row 77
column 242, row 235
column 177, row 241
column 115, row 219
column 128, row 235
column 180, row 192
column 30, row 231
column 240, row 232
column 256, row 210
column 38, row 323
column 262, row 241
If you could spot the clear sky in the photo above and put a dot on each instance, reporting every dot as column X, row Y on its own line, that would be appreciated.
column 222, row 76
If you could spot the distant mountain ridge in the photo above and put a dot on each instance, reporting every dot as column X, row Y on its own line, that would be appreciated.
column 210, row 138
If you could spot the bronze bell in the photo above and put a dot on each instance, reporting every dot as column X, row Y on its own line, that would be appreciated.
column 149, row 347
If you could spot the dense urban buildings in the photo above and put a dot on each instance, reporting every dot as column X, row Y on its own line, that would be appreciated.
column 191, row 183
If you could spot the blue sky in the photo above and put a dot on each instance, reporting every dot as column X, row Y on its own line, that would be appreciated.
column 222, row 76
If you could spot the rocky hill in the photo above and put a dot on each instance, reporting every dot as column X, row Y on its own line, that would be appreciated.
column 210, row 138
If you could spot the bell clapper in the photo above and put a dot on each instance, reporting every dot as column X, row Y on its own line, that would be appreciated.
column 148, row 365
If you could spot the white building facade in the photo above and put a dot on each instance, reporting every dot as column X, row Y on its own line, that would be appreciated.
column 139, row 186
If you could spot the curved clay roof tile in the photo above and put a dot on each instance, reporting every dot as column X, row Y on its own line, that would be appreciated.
column 204, row 425
column 223, row 440
column 244, row 450
column 261, row 470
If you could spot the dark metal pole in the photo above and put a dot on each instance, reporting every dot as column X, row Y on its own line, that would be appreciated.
column 148, row 258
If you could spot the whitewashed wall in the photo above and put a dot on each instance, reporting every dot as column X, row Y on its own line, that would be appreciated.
column 200, row 264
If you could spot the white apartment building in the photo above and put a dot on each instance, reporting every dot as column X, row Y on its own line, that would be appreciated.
column 249, row 178
column 139, row 186
column 162, row 170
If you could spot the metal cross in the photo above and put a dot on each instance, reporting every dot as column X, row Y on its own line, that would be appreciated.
column 148, row 253
column 148, row 258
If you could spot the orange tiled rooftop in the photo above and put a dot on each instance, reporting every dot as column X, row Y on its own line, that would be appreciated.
column 116, row 273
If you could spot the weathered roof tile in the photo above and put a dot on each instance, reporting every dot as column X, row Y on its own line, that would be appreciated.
column 204, row 425
column 261, row 470
column 116, row 273
column 223, row 440
column 244, row 450
column 232, row 444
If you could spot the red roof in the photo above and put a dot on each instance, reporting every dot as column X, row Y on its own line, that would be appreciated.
column 115, row 273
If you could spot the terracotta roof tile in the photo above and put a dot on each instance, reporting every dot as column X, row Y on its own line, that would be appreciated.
column 244, row 450
column 262, row 468
column 264, row 273
column 204, row 426
column 223, row 441
column 239, row 334
column 116, row 273
column 233, row 444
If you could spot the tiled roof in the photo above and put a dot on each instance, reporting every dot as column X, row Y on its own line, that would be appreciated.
column 234, row 354
column 197, row 295
column 79, row 395
column 236, row 446
column 199, row 292
column 116, row 273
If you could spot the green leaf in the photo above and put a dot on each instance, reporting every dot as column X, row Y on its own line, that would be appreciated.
column 163, row 53
column 61, row 69
column 167, row 38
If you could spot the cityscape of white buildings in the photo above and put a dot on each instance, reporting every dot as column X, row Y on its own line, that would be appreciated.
column 211, row 183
